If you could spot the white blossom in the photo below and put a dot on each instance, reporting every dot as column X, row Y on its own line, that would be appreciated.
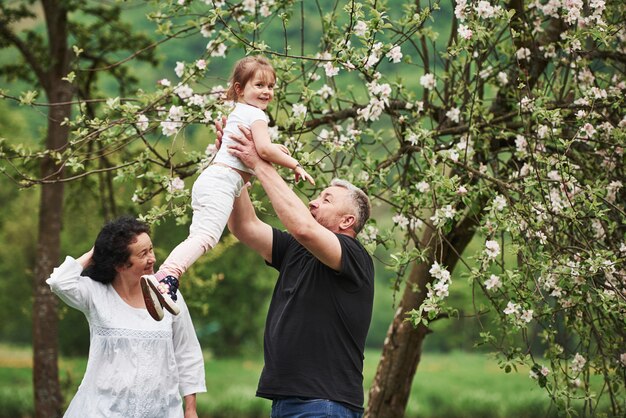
column 395, row 54
column 206, row 30
column 454, row 114
column 360, row 28
column 373, row 110
column 502, row 78
column 527, row 315
column 465, row 32
column 400, row 220
column 210, row 150
column 523, row 54
column 299, row 110
column 578, row 363
column 264, row 10
column 372, row 60
column 527, row 104
column 486, row 72
column 612, row 189
column 412, row 138
column 428, row 81
column 369, row 233
column 180, row 68
column 521, row 144
column 197, row 100
column 142, row 122
column 542, row 131
column 493, row 282
column 511, row 308
column 175, row 184
column 249, row 5
column 326, row 92
column 492, row 249
column 460, row 9
column 183, row 91
column 588, row 130
column 499, row 203
column 485, row 10
column 330, row 70
column 217, row 49
column 422, row 187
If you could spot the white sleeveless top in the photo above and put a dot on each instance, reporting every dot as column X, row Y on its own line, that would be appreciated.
column 243, row 114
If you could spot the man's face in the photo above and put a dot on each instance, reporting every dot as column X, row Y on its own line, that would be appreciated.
column 141, row 260
column 331, row 207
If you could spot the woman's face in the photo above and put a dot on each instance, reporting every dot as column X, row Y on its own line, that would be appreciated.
column 141, row 260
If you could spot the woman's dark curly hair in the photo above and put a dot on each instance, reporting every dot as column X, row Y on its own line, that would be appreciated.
column 111, row 247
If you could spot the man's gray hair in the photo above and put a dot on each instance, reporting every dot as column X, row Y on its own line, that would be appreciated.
column 360, row 200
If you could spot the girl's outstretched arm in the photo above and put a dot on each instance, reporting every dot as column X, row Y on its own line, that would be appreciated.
column 273, row 152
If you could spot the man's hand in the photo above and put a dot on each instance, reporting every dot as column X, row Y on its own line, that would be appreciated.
column 219, row 131
column 245, row 149
column 283, row 148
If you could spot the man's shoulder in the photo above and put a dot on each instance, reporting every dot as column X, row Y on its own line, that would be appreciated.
column 346, row 239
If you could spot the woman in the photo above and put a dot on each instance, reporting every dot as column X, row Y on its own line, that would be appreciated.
column 136, row 367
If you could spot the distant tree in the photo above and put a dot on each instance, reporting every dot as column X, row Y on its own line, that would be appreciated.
column 51, row 38
column 497, row 121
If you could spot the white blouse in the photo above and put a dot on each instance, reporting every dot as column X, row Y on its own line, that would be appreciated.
column 137, row 367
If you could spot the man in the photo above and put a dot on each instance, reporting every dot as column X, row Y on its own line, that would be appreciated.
column 321, row 307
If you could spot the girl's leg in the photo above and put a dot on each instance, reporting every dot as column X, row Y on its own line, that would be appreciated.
column 213, row 196
column 212, row 199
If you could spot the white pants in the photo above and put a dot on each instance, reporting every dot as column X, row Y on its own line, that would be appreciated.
column 212, row 198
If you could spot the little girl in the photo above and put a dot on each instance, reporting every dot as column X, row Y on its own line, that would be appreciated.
column 214, row 192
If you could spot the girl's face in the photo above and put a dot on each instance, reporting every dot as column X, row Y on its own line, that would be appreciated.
column 258, row 91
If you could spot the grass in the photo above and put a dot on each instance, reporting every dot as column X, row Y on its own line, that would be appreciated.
column 456, row 385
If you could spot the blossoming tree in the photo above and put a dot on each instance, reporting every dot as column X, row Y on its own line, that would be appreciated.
column 495, row 121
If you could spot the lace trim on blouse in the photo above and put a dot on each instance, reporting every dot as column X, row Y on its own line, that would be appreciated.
column 131, row 333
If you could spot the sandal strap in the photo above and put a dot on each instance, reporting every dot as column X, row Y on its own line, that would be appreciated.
column 172, row 286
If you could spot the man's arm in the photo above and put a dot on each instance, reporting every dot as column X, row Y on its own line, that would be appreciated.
column 294, row 214
column 248, row 228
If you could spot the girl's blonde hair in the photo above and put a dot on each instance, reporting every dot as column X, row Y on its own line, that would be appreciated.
column 244, row 70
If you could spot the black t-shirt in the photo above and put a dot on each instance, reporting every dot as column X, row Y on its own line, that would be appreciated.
column 317, row 323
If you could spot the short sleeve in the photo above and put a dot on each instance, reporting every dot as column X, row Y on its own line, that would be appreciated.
column 254, row 113
column 356, row 263
column 280, row 244
column 68, row 284
column 188, row 352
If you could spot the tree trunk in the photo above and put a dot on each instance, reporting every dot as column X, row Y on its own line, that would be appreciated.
column 45, row 346
column 48, row 398
column 402, row 350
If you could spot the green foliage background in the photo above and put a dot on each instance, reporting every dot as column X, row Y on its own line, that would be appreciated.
column 229, row 292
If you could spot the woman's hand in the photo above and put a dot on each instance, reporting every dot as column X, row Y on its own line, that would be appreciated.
column 85, row 259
